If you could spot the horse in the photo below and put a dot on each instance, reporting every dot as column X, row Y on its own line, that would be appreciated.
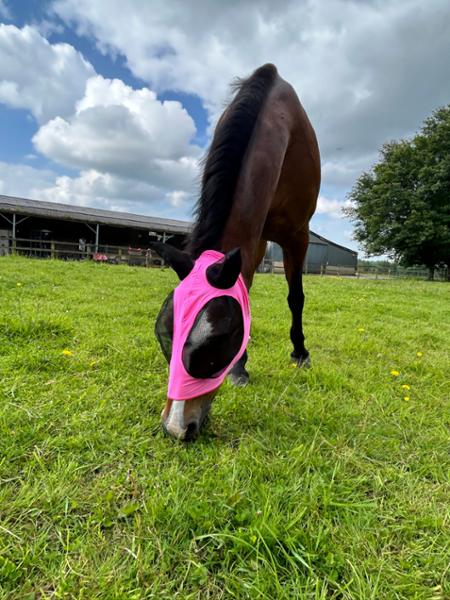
column 260, row 183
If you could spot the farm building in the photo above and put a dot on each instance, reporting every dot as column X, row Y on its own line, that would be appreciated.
column 323, row 256
column 47, row 229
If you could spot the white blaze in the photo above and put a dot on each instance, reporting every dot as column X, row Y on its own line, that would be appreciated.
column 175, row 420
column 202, row 330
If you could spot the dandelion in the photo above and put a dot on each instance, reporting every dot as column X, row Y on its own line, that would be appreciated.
column 67, row 352
column 419, row 354
column 406, row 398
column 361, row 329
column 405, row 386
column 19, row 284
column 395, row 373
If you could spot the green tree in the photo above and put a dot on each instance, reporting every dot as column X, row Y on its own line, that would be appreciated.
column 402, row 207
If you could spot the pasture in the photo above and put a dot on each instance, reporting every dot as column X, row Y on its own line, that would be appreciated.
column 329, row 483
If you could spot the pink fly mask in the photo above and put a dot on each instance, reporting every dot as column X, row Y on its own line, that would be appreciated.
column 204, row 324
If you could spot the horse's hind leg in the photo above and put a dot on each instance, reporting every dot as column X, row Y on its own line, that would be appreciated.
column 293, row 256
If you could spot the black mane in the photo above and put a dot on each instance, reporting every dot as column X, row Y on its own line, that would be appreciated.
column 222, row 164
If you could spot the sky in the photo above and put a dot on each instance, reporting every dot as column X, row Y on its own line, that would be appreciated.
column 112, row 105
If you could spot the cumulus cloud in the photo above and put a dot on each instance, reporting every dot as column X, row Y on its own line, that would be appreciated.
column 103, row 190
column 125, row 132
column 357, row 66
column 23, row 180
column 331, row 207
column 133, row 151
column 45, row 78
column 92, row 188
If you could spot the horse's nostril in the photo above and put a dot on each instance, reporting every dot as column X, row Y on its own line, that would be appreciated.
column 191, row 430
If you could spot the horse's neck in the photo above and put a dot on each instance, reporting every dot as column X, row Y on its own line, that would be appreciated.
column 256, row 189
column 243, row 230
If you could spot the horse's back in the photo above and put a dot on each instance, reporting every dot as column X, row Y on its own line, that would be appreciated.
column 295, row 199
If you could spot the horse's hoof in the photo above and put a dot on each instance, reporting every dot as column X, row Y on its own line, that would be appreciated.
column 239, row 379
column 302, row 362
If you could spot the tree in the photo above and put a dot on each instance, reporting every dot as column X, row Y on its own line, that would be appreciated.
column 402, row 207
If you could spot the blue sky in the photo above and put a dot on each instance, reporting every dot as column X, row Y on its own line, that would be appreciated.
column 107, row 107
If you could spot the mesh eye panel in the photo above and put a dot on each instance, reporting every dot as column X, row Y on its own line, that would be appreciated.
column 164, row 327
column 215, row 338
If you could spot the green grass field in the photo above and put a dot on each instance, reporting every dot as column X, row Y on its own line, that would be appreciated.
column 328, row 483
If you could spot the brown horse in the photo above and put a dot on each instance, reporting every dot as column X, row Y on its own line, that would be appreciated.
column 260, row 182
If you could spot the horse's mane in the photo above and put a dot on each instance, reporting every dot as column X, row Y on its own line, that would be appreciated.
column 222, row 163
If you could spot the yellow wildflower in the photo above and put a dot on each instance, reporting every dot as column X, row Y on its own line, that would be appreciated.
column 395, row 373
column 405, row 386
column 361, row 329
column 67, row 352
column 19, row 284
column 406, row 398
column 419, row 354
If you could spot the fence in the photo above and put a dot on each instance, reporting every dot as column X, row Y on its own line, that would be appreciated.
column 277, row 266
column 368, row 272
column 75, row 251
column 145, row 257
column 385, row 272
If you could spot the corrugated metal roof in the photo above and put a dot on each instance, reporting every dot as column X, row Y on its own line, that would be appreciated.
column 66, row 212
column 315, row 239
column 319, row 239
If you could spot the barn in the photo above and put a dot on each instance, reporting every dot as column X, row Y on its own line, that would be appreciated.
column 323, row 257
column 47, row 229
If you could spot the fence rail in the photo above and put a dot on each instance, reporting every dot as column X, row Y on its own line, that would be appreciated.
column 76, row 251
column 146, row 257
column 397, row 272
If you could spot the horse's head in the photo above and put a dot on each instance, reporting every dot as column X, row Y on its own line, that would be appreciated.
column 203, row 328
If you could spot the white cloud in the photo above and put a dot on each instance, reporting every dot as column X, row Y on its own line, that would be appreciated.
column 331, row 207
column 357, row 66
column 343, row 169
column 45, row 78
column 104, row 190
column 20, row 180
column 178, row 198
column 91, row 188
column 127, row 133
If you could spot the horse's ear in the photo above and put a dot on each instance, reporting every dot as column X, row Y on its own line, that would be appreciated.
column 180, row 261
column 224, row 273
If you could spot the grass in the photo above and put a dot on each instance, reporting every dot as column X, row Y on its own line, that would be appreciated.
column 314, row 484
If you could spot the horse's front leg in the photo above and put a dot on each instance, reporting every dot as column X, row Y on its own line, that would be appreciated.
column 238, row 375
column 293, row 257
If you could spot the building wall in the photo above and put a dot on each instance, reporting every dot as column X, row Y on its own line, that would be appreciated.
column 319, row 255
column 341, row 257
